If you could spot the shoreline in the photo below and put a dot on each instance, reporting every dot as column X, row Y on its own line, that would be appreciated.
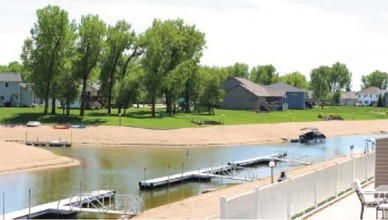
column 28, row 158
column 211, row 136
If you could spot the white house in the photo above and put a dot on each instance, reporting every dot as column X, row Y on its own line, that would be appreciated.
column 93, row 97
column 370, row 96
column 13, row 92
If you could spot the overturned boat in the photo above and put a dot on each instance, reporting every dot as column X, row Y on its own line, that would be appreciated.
column 313, row 135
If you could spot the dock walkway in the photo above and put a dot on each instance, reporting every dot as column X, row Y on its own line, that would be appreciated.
column 67, row 206
column 207, row 174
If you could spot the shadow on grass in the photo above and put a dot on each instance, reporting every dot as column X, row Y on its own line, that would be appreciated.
column 142, row 114
column 23, row 118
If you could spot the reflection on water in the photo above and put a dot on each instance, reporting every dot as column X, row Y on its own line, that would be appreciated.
column 121, row 168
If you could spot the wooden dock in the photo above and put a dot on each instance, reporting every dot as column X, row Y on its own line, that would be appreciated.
column 200, row 175
column 58, row 143
column 258, row 160
column 207, row 174
column 67, row 207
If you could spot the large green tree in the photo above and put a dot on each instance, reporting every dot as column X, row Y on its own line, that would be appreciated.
column 119, row 38
column 171, row 49
column 319, row 78
column 264, row 75
column 90, row 44
column 211, row 89
column 238, row 70
column 377, row 79
column 295, row 79
column 339, row 78
column 45, row 50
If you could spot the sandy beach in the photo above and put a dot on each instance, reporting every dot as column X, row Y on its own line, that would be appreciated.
column 12, row 139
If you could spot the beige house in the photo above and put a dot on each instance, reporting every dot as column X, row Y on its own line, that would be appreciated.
column 349, row 98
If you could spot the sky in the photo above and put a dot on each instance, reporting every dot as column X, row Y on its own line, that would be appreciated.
column 292, row 35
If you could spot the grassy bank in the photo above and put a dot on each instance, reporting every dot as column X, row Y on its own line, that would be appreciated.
column 141, row 117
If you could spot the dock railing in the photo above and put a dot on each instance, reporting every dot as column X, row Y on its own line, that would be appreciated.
column 297, row 196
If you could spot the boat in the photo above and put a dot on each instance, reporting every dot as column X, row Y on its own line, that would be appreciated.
column 77, row 126
column 59, row 143
column 61, row 126
column 33, row 124
column 313, row 134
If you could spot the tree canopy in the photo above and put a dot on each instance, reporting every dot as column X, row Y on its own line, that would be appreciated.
column 46, row 50
column 319, row 78
column 172, row 49
column 264, row 75
column 377, row 79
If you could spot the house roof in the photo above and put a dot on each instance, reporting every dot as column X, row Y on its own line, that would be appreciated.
column 371, row 91
column 10, row 77
column 281, row 86
column 349, row 95
column 275, row 90
column 254, row 88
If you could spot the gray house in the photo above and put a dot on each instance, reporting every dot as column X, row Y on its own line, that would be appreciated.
column 241, row 93
column 13, row 92
column 296, row 97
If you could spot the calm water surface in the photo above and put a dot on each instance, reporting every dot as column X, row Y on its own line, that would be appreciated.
column 121, row 168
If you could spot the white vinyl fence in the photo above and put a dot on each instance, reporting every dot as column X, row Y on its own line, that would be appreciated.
column 298, row 195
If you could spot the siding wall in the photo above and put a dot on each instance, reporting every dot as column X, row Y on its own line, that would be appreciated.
column 26, row 97
column 381, row 171
column 296, row 100
column 13, row 89
column 239, row 98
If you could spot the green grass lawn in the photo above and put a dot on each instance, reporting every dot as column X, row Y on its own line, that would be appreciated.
column 141, row 117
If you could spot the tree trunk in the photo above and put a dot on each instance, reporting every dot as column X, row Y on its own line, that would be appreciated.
column 187, row 103
column 68, row 108
column 53, row 106
column 168, row 104
column 83, row 95
column 153, row 106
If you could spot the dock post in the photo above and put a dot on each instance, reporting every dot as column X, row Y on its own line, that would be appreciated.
column 168, row 180
column 3, row 205
column 145, row 174
column 182, row 172
column 29, row 202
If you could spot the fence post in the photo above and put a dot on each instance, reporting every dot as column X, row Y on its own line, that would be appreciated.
column 354, row 169
column 366, row 166
column 256, row 210
column 337, row 179
column 223, row 208
column 289, row 197
column 316, row 188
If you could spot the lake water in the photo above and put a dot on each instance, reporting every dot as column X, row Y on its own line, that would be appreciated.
column 121, row 168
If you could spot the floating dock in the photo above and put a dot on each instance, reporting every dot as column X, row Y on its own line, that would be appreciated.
column 69, row 207
column 258, row 160
column 208, row 173
column 58, row 143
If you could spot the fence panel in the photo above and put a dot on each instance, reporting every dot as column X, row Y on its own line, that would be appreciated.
column 242, row 207
column 326, row 183
column 361, row 168
column 371, row 161
column 301, row 192
column 273, row 201
column 345, row 175
column 291, row 197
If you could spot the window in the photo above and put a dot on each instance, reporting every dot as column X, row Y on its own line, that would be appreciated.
column 6, row 84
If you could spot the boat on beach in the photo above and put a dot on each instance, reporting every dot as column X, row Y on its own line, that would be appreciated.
column 61, row 126
column 33, row 124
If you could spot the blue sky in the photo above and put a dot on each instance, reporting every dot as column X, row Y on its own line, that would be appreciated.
column 292, row 35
